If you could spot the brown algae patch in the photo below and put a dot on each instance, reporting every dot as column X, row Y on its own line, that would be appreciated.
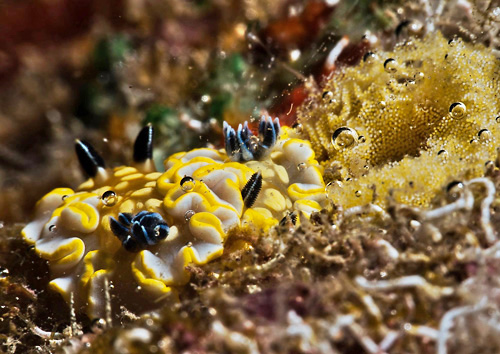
column 405, row 123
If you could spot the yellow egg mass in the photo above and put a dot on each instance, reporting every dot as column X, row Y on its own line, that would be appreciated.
column 407, row 122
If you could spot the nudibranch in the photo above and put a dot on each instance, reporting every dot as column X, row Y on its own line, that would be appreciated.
column 407, row 122
column 138, row 229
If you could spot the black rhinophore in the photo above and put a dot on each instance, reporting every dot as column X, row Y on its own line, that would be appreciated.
column 89, row 159
column 250, row 192
column 143, row 146
column 289, row 217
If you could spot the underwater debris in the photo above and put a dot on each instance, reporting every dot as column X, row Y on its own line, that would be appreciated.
column 404, row 122
column 165, row 220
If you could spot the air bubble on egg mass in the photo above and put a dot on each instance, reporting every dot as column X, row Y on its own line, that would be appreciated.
column 443, row 154
column 497, row 119
column 369, row 57
column 327, row 96
column 299, row 128
column 331, row 187
column 187, row 183
column 357, row 193
column 457, row 110
column 489, row 164
column 419, row 77
column 109, row 198
column 390, row 66
column 189, row 214
column 52, row 228
column 484, row 134
column 344, row 137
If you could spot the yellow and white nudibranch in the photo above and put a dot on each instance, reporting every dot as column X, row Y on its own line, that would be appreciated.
column 138, row 229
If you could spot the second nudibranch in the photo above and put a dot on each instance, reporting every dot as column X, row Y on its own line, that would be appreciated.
column 138, row 229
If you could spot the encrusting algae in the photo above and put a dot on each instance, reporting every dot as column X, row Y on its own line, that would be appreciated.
column 408, row 122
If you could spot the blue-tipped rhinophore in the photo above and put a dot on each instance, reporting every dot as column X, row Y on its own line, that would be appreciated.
column 243, row 145
column 140, row 231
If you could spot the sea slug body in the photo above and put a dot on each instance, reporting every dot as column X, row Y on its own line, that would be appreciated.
column 137, row 229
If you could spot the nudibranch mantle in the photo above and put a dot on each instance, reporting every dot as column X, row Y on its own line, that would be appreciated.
column 196, row 201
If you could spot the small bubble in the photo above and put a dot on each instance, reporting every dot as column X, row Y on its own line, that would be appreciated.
column 457, row 110
column 489, row 165
column 64, row 197
column 419, row 77
column 369, row 57
column 333, row 184
column 455, row 190
column 344, row 137
column 299, row 128
column 294, row 55
column 415, row 27
column 382, row 104
column 4, row 272
column 109, row 198
column 453, row 42
column 52, row 228
column 98, row 325
column 361, row 139
column 497, row 119
column 212, row 311
column 189, row 244
column 327, row 96
column 484, row 134
column 357, row 194
column 443, row 153
column 301, row 166
column 390, row 65
column 474, row 141
column 2, row 224
column 187, row 183
column 189, row 214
